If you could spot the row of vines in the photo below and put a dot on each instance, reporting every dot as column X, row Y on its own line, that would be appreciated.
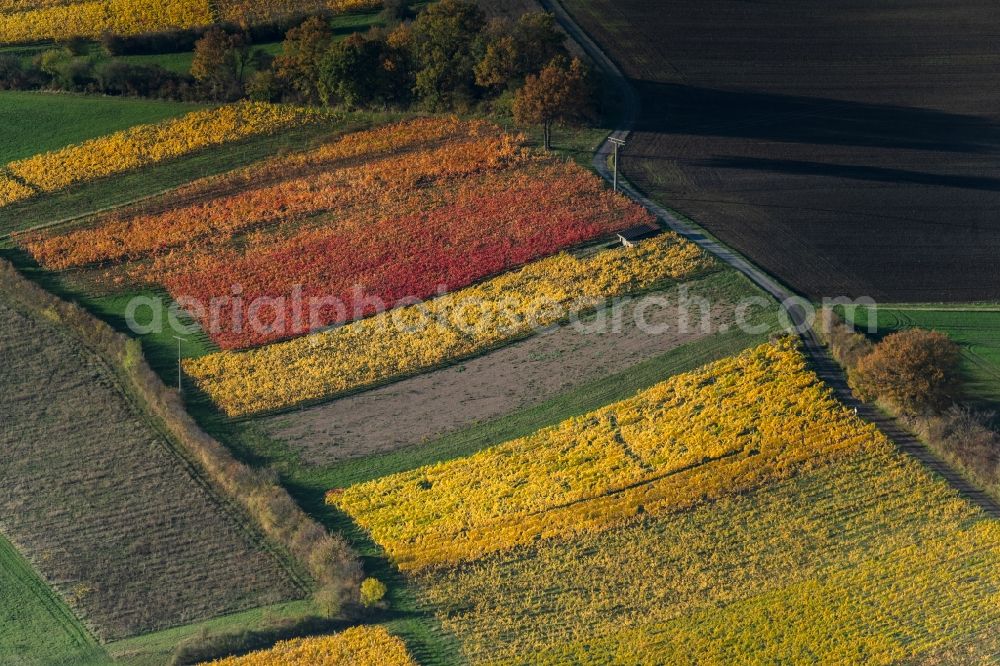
column 734, row 514
column 145, row 145
column 23, row 21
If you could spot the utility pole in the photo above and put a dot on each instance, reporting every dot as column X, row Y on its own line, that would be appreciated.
column 180, row 373
column 618, row 143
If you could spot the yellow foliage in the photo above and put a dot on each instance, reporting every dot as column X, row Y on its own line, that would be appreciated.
column 143, row 145
column 13, row 6
column 616, row 590
column 880, row 611
column 91, row 19
column 357, row 646
column 732, row 426
column 11, row 190
column 255, row 11
column 416, row 338
column 24, row 21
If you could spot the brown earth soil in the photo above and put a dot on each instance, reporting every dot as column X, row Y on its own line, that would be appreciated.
column 103, row 507
column 848, row 148
column 430, row 405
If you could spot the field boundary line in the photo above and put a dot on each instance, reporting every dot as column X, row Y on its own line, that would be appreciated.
column 825, row 367
column 32, row 579
column 97, row 211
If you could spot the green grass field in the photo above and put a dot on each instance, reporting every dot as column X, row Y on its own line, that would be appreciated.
column 975, row 329
column 155, row 649
column 35, row 122
column 36, row 627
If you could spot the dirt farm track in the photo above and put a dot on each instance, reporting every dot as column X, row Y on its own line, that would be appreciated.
column 847, row 147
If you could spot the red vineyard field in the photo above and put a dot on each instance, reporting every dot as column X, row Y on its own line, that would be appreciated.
column 342, row 239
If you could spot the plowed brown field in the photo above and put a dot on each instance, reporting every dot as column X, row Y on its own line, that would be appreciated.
column 849, row 147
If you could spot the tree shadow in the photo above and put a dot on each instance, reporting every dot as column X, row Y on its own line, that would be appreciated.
column 690, row 110
column 855, row 172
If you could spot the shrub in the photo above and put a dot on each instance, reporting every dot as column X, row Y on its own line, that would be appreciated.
column 12, row 76
column 964, row 438
column 373, row 591
column 263, row 86
column 847, row 345
column 915, row 371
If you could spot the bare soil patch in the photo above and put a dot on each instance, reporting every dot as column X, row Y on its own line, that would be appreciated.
column 430, row 405
column 110, row 515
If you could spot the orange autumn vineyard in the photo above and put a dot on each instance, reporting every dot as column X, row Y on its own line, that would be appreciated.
column 465, row 201
column 330, row 182
column 358, row 646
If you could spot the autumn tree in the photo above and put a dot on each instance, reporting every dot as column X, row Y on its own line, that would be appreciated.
column 446, row 45
column 499, row 66
column 363, row 71
column 373, row 593
column 513, row 52
column 539, row 40
column 302, row 54
column 559, row 93
column 222, row 61
column 916, row 371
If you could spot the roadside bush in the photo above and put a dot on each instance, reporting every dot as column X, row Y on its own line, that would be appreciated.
column 966, row 439
column 846, row 344
column 915, row 371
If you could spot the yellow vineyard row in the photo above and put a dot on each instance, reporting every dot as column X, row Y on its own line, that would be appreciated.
column 732, row 426
column 143, row 145
column 419, row 337
column 357, row 646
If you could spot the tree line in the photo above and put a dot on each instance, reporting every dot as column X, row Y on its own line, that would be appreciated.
column 449, row 57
